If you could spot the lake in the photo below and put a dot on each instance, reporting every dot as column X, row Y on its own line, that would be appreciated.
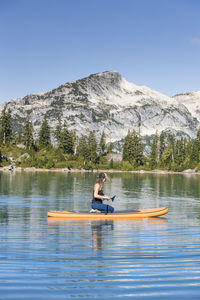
column 155, row 258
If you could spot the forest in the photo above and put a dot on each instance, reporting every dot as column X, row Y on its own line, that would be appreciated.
column 85, row 152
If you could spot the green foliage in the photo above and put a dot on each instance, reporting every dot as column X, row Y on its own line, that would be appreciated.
column 92, row 147
column 161, row 144
column 126, row 166
column 102, row 144
column 110, row 148
column 58, row 133
column 167, row 157
column 180, row 153
column 82, row 149
column 133, row 149
column 6, row 127
column 103, row 163
column 65, row 139
column 166, row 152
column 111, row 164
column 154, row 155
column 44, row 134
column 28, row 134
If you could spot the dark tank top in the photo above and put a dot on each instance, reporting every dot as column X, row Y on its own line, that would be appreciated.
column 96, row 199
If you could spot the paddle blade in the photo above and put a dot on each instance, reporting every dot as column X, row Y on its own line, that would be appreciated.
column 113, row 198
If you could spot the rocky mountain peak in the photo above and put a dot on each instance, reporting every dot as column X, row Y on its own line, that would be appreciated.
column 108, row 78
column 106, row 102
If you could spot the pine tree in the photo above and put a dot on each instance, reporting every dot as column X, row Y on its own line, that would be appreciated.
column 67, row 140
column 167, row 157
column 180, row 152
column 74, row 140
column 154, row 155
column 168, row 153
column 133, row 149
column 28, row 134
column 127, row 147
column 139, row 156
column 194, row 155
column 58, row 133
column 161, row 145
column 189, row 153
column 44, row 134
column 92, row 147
column 5, row 127
column 198, row 139
column 82, row 148
column 197, row 146
column 171, row 144
column 102, row 144
column 110, row 147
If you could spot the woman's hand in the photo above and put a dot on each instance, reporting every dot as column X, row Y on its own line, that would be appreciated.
column 106, row 197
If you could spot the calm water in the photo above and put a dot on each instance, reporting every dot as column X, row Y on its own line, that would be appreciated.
column 151, row 258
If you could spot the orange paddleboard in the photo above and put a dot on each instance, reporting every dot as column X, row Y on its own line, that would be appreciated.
column 143, row 213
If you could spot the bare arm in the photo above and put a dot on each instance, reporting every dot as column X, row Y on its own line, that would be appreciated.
column 96, row 195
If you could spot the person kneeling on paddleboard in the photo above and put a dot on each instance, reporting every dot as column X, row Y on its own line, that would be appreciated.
column 98, row 196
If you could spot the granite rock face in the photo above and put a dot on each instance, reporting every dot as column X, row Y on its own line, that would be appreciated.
column 107, row 102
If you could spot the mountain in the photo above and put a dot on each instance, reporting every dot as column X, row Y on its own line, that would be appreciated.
column 106, row 101
column 192, row 101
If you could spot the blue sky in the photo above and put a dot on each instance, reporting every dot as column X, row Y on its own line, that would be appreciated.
column 46, row 43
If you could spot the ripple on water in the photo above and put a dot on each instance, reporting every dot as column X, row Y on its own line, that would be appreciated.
column 152, row 258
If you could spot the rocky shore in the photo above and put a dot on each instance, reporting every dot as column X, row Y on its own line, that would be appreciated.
column 66, row 170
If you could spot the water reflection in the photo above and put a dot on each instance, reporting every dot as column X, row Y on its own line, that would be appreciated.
column 103, row 259
column 33, row 194
column 98, row 228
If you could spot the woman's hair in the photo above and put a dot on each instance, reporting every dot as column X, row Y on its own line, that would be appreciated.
column 100, row 179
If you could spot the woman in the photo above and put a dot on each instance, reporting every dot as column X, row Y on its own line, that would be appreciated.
column 98, row 196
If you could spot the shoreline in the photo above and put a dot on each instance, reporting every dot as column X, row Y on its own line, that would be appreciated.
column 66, row 170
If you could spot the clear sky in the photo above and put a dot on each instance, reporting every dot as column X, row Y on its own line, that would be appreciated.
column 46, row 43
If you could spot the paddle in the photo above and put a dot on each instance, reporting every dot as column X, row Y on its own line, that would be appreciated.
column 111, row 198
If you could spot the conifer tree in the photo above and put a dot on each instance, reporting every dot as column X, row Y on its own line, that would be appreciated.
column 168, row 153
column 167, row 157
column 74, row 140
column 82, row 148
column 58, row 133
column 92, row 147
column 44, row 134
column 198, row 139
column 28, row 134
column 161, row 145
column 67, row 140
column 5, row 127
column 196, row 147
column 189, row 153
column 194, row 155
column 171, row 145
column 139, row 156
column 133, row 149
column 110, row 147
column 180, row 152
column 154, row 155
column 127, row 147
column 102, row 144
